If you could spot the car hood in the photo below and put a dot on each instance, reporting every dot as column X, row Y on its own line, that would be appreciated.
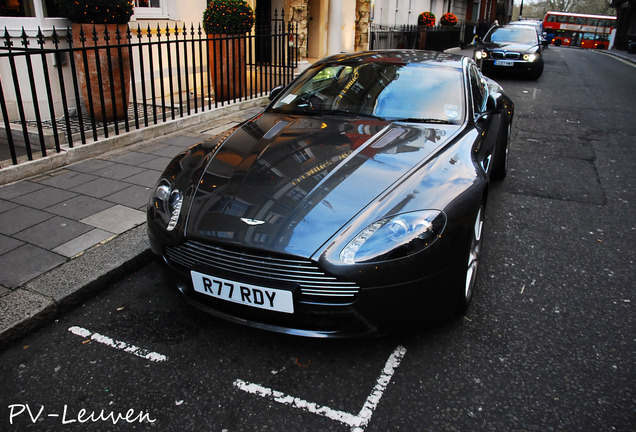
column 510, row 46
column 288, row 184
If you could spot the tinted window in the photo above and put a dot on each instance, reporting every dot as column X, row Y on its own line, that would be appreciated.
column 478, row 90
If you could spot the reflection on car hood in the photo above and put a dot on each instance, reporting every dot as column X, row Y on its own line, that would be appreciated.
column 287, row 184
column 510, row 46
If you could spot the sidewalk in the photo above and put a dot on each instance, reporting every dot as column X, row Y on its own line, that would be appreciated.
column 68, row 232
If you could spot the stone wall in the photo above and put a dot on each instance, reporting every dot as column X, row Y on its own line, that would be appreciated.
column 363, row 12
column 299, row 15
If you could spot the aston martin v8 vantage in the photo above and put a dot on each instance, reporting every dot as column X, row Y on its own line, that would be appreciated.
column 352, row 205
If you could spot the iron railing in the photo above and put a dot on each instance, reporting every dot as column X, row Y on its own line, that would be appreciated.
column 437, row 38
column 171, row 70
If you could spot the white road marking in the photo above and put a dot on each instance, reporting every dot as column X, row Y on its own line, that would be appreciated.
column 357, row 422
column 117, row 344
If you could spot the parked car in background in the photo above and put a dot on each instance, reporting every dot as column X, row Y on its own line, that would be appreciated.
column 510, row 49
column 352, row 205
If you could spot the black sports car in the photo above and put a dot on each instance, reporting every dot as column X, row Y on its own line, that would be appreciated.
column 352, row 205
column 511, row 49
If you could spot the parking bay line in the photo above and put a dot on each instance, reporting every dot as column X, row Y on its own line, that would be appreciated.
column 117, row 344
column 357, row 422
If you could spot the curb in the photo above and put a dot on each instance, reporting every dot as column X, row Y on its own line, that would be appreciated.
column 49, row 295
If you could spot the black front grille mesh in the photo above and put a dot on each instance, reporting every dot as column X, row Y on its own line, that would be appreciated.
column 505, row 55
column 267, row 269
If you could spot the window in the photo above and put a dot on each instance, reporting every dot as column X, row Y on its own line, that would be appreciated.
column 478, row 89
column 150, row 9
column 30, row 15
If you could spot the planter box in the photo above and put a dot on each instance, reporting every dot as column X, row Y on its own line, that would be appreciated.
column 101, row 62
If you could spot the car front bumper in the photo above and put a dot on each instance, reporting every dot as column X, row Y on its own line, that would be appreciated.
column 375, row 311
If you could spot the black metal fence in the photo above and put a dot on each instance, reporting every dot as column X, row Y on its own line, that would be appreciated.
column 68, row 90
column 410, row 37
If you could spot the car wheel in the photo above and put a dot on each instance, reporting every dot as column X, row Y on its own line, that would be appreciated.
column 500, row 168
column 557, row 42
column 472, row 261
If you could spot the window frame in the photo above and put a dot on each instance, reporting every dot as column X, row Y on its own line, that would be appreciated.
column 475, row 75
column 160, row 12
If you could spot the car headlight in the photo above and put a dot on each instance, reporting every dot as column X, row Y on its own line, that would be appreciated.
column 167, row 200
column 481, row 55
column 530, row 57
column 395, row 237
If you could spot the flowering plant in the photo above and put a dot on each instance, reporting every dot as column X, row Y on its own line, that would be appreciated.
column 96, row 11
column 426, row 18
column 228, row 16
column 448, row 18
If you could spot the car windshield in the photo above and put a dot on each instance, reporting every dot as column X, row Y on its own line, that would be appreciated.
column 386, row 90
column 513, row 35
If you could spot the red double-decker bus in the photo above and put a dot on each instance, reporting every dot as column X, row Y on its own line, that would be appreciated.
column 580, row 30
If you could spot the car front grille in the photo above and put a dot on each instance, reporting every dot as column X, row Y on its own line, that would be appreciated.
column 268, row 270
column 505, row 55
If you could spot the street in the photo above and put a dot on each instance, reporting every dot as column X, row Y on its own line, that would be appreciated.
column 548, row 343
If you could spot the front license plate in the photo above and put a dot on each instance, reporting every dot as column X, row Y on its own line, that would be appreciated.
column 245, row 294
column 504, row 63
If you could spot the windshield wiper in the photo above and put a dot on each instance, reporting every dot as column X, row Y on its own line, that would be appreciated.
column 341, row 112
column 423, row 120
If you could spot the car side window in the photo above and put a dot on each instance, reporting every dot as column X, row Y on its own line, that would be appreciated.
column 478, row 90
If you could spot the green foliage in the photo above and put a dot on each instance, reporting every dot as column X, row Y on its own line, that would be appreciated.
column 426, row 19
column 228, row 16
column 448, row 18
column 96, row 11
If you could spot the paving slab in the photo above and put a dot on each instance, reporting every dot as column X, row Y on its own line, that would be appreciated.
column 44, row 198
column 133, row 196
column 116, row 219
column 80, row 207
column 133, row 158
column 147, row 178
column 100, row 187
column 14, row 190
column 20, row 218
column 26, row 262
column 68, row 179
column 90, row 166
column 8, row 243
column 118, row 171
column 53, row 232
column 84, row 242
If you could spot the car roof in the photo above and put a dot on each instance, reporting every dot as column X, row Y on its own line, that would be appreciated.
column 399, row 56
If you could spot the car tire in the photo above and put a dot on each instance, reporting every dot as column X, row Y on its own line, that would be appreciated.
column 557, row 42
column 472, row 261
column 500, row 166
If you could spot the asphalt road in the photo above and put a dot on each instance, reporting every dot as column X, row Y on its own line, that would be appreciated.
column 548, row 344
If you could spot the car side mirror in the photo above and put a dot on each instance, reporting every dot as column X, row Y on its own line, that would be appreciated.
column 491, row 103
column 275, row 92
column 491, row 108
